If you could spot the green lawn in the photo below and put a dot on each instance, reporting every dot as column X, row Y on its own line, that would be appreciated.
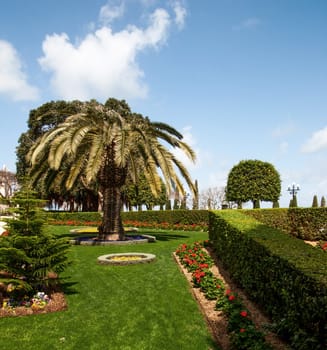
column 134, row 307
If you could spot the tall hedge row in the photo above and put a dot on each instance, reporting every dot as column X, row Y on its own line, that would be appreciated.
column 183, row 217
column 187, row 217
column 284, row 275
column 305, row 223
column 74, row 218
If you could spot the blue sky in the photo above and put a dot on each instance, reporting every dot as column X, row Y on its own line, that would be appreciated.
column 241, row 79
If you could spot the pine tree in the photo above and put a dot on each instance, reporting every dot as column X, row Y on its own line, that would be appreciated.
column 323, row 202
column 28, row 254
column 315, row 201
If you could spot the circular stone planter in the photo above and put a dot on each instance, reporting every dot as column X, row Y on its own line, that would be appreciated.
column 125, row 258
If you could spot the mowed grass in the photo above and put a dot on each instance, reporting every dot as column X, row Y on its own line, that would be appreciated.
column 133, row 307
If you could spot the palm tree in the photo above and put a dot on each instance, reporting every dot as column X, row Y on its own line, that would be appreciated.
column 100, row 145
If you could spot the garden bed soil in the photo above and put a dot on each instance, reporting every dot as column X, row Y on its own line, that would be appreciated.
column 57, row 302
column 216, row 320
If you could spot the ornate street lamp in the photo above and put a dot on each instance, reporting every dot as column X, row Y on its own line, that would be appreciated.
column 293, row 190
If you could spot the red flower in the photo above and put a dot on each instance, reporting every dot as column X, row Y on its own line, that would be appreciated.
column 244, row 313
column 203, row 266
column 231, row 297
column 198, row 274
column 228, row 291
column 242, row 330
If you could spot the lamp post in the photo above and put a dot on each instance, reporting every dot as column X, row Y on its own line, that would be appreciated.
column 293, row 190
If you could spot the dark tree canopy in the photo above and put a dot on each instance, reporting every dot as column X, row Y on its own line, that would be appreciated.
column 42, row 119
column 137, row 195
column 253, row 180
column 108, row 146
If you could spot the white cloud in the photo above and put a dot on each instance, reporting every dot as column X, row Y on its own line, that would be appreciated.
column 248, row 23
column 103, row 63
column 13, row 81
column 180, row 14
column 316, row 142
column 110, row 11
column 180, row 155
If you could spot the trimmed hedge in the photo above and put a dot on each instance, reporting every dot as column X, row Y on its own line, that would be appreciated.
column 184, row 217
column 284, row 275
column 149, row 217
column 74, row 218
column 305, row 223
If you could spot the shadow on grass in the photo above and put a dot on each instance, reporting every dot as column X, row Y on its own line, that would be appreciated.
column 163, row 236
column 167, row 237
column 74, row 235
column 68, row 288
column 160, row 236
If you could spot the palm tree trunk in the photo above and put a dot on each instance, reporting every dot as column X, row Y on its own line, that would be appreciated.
column 112, row 226
column 112, row 178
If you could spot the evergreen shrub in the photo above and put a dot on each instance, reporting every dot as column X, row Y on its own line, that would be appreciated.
column 28, row 255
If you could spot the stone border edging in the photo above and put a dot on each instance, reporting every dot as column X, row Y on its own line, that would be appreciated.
column 145, row 239
column 144, row 258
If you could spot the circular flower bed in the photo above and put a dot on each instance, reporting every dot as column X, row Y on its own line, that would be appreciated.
column 125, row 258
